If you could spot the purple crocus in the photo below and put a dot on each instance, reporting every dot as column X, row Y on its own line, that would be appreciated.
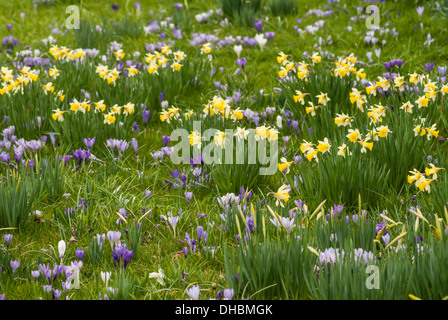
column 35, row 274
column 115, row 7
column 89, row 142
column 79, row 254
column 185, row 251
column 53, row 140
column 241, row 62
column 188, row 196
column 14, row 265
column 199, row 231
column 145, row 115
column 381, row 226
column 166, row 140
column 127, row 256
column 148, row 193
column 56, row 294
column 8, row 239
column 81, row 155
column 429, row 66
column 258, row 25
column 134, row 144
column 269, row 35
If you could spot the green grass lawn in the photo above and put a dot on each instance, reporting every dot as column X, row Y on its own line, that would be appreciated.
column 262, row 246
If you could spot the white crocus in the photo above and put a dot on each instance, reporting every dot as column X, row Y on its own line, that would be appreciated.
column 105, row 276
column 61, row 248
column 261, row 40
column 159, row 276
column 238, row 50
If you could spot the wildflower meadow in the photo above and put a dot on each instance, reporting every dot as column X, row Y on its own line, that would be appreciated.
column 224, row 150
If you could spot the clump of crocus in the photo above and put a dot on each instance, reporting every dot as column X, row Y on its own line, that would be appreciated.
column 120, row 252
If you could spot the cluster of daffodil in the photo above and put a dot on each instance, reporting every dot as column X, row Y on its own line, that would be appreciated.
column 423, row 180
column 322, row 100
column 311, row 152
column 83, row 106
column 431, row 131
column 164, row 58
column 221, row 107
column 346, row 66
column 49, row 88
column 220, row 137
column 66, row 54
column 301, row 68
column 110, row 75
column 10, row 85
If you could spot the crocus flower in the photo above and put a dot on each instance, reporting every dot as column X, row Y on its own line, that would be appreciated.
column 105, row 276
column 113, row 237
column 269, row 35
column 89, row 142
column 127, row 255
column 47, row 288
column 159, row 276
column 8, row 239
column 188, row 196
column 79, row 254
column 134, row 144
column 61, row 248
column 258, row 25
column 193, row 292
column 199, row 231
column 145, row 115
column 238, row 50
column 35, row 274
column 228, row 294
column 56, row 294
column 115, row 7
column 241, row 62
column 148, row 193
column 166, row 140
column 14, row 265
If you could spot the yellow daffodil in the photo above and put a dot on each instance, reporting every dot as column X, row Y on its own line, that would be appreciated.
column 195, row 139
column 206, row 48
column 324, row 146
column 282, row 195
column 284, row 165
column 353, row 135
column 109, row 118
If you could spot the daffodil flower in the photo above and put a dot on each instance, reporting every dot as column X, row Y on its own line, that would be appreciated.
column 407, row 107
column 353, row 135
column 432, row 171
column 206, row 48
column 282, row 195
column 284, row 165
column 422, row 102
column 195, row 139
column 324, row 146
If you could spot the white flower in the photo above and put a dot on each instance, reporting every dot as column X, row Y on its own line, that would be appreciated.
column 105, row 276
column 279, row 122
column 261, row 40
column 193, row 292
column 61, row 248
column 238, row 50
column 420, row 10
column 158, row 275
